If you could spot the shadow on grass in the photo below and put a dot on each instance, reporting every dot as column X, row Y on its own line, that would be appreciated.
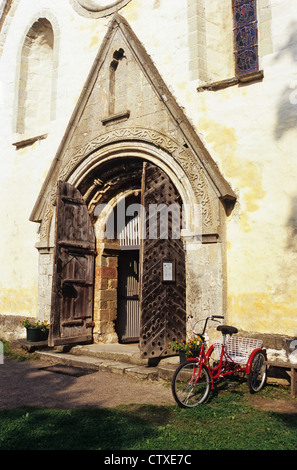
column 29, row 428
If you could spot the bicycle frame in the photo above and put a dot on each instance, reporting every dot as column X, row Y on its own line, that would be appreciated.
column 226, row 365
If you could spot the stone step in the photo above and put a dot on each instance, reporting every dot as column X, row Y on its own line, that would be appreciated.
column 128, row 353
column 119, row 359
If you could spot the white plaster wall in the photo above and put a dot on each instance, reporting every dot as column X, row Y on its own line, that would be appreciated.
column 249, row 130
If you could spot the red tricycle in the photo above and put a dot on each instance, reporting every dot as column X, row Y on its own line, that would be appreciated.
column 194, row 379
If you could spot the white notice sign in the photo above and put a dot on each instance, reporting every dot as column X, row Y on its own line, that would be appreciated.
column 167, row 271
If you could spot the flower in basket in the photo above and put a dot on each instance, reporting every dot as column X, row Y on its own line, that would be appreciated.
column 191, row 347
column 36, row 324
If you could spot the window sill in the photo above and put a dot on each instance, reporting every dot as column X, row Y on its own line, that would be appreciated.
column 30, row 141
column 116, row 117
column 242, row 79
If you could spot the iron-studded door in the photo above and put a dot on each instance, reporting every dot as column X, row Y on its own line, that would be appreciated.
column 163, row 277
column 73, row 278
column 127, row 326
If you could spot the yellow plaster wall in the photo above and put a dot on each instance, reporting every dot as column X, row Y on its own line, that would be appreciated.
column 251, row 133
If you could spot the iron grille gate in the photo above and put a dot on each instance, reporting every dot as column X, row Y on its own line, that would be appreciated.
column 128, row 296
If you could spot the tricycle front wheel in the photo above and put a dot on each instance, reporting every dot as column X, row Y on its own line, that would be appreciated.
column 188, row 387
column 258, row 373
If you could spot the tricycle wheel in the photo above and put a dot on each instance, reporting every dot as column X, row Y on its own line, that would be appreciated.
column 258, row 373
column 188, row 389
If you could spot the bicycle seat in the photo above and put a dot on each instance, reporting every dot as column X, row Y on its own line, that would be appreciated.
column 227, row 330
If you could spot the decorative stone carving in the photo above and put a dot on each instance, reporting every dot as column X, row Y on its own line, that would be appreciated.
column 97, row 8
column 98, row 5
column 183, row 156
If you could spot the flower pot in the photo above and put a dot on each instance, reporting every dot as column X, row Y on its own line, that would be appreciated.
column 182, row 357
column 44, row 334
column 194, row 353
column 33, row 335
column 36, row 334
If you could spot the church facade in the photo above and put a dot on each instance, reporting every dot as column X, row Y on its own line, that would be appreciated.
column 148, row 168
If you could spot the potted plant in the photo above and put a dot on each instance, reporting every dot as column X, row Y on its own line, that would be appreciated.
column 37, row 330
column 186, row 349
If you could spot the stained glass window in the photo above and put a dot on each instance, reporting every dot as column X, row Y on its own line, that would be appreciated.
column 245, row 36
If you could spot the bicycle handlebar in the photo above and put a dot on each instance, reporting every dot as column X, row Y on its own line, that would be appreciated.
column 210, row 317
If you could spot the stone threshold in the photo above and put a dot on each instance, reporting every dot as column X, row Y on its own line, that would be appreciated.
column 112, row 365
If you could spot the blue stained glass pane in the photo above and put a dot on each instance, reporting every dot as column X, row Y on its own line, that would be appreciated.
column 246, row 36
column 245, row 13
column 236, row 3
column 247, row 60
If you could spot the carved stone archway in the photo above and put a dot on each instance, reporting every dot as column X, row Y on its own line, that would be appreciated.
column 89, row 177
column 204, row 261
column 176, row 160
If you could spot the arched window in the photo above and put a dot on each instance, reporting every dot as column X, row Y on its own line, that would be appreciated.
column 35, row 81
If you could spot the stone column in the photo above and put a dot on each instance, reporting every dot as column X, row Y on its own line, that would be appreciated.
column 45, row 279
column 105, row 297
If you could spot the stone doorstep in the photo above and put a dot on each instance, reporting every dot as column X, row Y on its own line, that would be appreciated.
column 118, row 352
column 108, row 365
column 68, row 359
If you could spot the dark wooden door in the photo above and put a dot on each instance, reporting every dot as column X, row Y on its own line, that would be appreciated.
column 127, row 326
column 73, row 278
column 163, row 299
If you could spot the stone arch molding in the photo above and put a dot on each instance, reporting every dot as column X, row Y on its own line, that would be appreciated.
column 176, row 160
column 97, row 8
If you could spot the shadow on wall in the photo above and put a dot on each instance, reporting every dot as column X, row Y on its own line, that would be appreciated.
column 287, row 109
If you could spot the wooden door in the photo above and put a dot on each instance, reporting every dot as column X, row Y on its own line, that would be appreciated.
column 73, row 278
column 163, row 299
column 127, row 326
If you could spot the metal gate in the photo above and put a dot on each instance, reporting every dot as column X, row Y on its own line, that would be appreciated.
column 127, row 325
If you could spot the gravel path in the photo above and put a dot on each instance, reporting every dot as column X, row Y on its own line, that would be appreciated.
column 39, row 383
column 33, row 383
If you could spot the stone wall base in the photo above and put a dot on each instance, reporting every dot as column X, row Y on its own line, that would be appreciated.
column 10, row 328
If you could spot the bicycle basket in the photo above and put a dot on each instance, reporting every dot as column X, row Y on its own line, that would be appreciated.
column 216, row 354
column 239, row 349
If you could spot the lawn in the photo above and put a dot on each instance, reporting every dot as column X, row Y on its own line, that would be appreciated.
column 227, row 422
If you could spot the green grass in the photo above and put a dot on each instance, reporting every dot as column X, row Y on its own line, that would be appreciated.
column 227, row 422
column 13, row 353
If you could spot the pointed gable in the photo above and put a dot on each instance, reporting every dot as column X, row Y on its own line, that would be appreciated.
column 125, row 90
